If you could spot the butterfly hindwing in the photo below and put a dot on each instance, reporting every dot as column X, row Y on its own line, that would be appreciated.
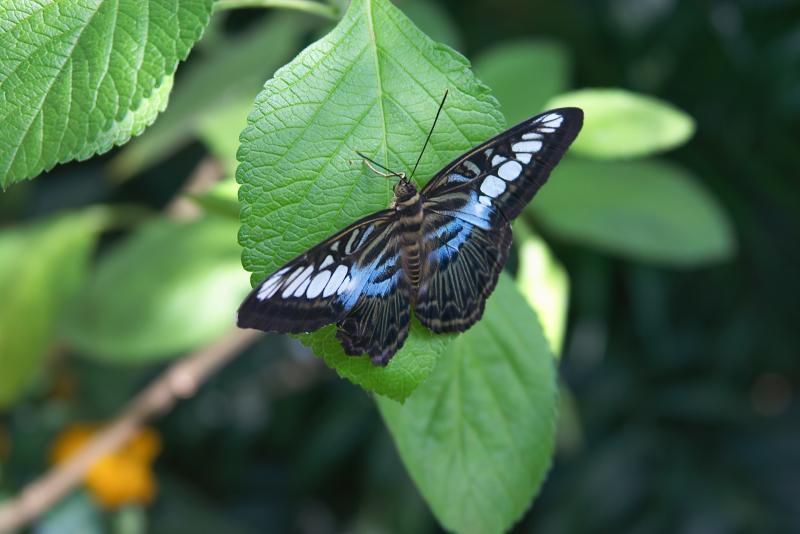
column 507, row 171
column 322, row 285
column 463, row 259
column 378, row 322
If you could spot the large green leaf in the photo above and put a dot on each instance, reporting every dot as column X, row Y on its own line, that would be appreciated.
column 41, row 267
column 73, row 74
column 372, row 84
column 645, row 210
column 621, row 124
column 524, row 75
column 232, row 72
column 169, row 288
column 477, row 437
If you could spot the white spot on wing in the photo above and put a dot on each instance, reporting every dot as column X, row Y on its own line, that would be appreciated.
column 294, row 274
column 553, row 119
column 344, row 286
column 555, row 123
column 493, row 186
column 335, row 281
column 510, row 170
column 524, row 157
column 527, row 146
column 531, row 135
column 486, row 201
column 547, row 129
column 318, row 284
column 353, row 236
column 297, row 281
column 302, row 288
column 474, row 169
column 497, row 160
column 269, row 287
column 327, row 261
column 335, row 247
column 367, row 233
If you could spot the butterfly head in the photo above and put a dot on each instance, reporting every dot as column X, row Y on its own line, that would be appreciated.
column 404, row 189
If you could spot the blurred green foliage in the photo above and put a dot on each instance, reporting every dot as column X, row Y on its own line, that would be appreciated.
column 675, row 314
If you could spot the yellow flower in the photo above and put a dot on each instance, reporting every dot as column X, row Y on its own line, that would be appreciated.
column 122, row 477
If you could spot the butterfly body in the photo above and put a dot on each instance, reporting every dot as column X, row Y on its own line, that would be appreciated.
column 410, row 215
column 437, row 251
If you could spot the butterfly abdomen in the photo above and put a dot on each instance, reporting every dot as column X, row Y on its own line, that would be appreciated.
column 410, row 217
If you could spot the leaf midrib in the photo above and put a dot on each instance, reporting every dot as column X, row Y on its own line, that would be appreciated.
column 379, row 85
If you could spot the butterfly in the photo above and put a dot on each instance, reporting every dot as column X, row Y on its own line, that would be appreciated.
column 438, row 250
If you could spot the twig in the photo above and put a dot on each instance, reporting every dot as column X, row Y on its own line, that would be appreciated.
column 180, row 381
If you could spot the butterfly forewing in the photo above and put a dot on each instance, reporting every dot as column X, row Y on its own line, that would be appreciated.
column 507, row 171
column 323, row 284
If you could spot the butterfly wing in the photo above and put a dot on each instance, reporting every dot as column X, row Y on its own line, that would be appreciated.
column 468, row 210
column 353, row 278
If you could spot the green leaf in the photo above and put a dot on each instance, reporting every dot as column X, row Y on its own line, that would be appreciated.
column 169, row 288
column 41, row 267
column 544, row 283
column 644, row 210
column 397, row 381
column 621, row 124
column 77, row 76
column 231, row 73
column 477, row 437
column 524, row 75
column 372, row 84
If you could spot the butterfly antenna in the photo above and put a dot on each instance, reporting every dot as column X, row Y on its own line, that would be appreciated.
column 430, row 133
column 370, row 162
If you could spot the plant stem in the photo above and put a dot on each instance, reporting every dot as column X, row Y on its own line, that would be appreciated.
column 308, row 6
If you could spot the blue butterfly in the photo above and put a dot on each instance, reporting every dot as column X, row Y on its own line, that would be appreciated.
column 439, row 250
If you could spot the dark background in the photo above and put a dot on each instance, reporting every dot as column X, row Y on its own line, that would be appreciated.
column 683, row 383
